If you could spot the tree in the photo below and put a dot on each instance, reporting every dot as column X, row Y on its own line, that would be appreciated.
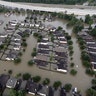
column 10, row 71
column 73, row 72
column 93, row 81
column 17, row 60
column 68, row 87
column 89, row 72
column 26, row 76
column 70, row 42
column 30, row 63
column 91, row 92
column 46, row 81
column 57, row 84
column 88, row 19
column 72, row 64
column 93, row 32
column 36, row 79
column 70, row 47
column 86, row 64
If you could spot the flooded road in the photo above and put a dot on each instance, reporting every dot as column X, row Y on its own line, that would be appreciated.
column 76, row 11
column 81, row 80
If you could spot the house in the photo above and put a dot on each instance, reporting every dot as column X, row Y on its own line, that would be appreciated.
column 62, row 65
column 31, row 87
column 53, row 29
column 13, row 22
column 12, row 55
column 16, row 37
column 41, row 63
column 3, row 35
column 37, row 25
column 2, row 40
column 62, row 40
column 27, row 31
column 41, row 46
column 6, row 92
column 16, row 42
column 62, row 92
column 42, row 57
column 3, row 80
column 92, row 46
column 61, row 54
column 43, row 52
column 23, row 85
column 22, row 24
column 90, row 50
column 18, row 84
column 56, row 92
column 16, row 47
column 1, row 22
column 90, row 41
column 51, row 91
column 59, row 49
column 42, row 90
column 11, row 83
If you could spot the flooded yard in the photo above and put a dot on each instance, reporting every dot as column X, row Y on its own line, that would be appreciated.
column 81, row 80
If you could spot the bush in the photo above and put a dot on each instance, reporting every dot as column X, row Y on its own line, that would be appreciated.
column 73, row 72
column 26, row 76
column 46, row 81
column 57, row 84
column 36, row 79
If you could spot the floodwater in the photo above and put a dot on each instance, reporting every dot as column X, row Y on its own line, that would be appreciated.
column 81, row 80
column 70, row 10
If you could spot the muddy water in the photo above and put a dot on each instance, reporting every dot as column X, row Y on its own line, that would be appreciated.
column 81, row 80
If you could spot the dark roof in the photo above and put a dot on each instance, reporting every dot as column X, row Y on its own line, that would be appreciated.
column 43, row 46
column 43, row 51
column 51, row 91
column 18, row 84
column 23, row 85
column 41, row 63
column 61, row 54
column 42, row 89
column 31, row 86
column 92, row 57
column 91, row 45
column 3, row 80
column 62, row 92
column 91, row 50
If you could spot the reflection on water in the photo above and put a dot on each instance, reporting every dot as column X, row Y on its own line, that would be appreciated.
column 81, row 80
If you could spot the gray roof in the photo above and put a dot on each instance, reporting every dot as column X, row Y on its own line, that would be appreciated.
column 23, row 85
column 42, row 90
column 11, row 83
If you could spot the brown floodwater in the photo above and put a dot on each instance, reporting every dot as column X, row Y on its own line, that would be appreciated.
column 81, row 80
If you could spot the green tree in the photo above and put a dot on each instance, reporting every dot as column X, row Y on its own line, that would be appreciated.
column 68, row 87
column 36, row 79
column 46, row 81
column 26, row 76
column 73, row 72
column 57, row 84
